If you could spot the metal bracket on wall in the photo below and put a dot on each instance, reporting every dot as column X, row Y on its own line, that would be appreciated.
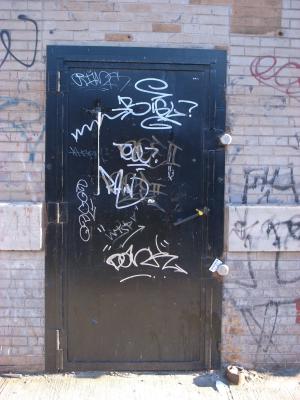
column 57, row 213
column 58, row 82
column 59, row 352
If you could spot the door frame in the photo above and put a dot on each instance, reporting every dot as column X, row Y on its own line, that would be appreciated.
column 55, row 207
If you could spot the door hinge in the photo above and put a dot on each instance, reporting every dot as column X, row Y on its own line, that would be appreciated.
column 58, row 82
column 59, row 352
column 57, row 212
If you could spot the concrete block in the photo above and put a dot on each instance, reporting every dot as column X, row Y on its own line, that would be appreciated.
column 263, row 228
column 21, row 226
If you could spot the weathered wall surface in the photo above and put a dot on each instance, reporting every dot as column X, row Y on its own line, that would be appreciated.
column 261, row 312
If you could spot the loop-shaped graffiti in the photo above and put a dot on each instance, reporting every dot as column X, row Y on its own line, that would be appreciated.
column 284, row 78
column 6, row 41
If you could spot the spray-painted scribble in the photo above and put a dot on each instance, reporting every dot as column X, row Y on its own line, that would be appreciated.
column 131, row 185
column 243, row 230
column 264, row 183
column 6, row 40
column 159, row 112
column 296, row 146
column 258, row 228
column 162, row 115
column 85, row 127
column 150, row 153
column 279, row 272
column 82, row 153
column 261, row 321
column 102, row 80
column 26, row 119
column 87, row 210
column 119, row 229
column 282, row 231
column 274, row 103
column 124, row 229
column 285, row 78
column 138, row 155
column 129, row 188
column 236, row 151
column 145, row 257
column 136, row 276
column 261, row 316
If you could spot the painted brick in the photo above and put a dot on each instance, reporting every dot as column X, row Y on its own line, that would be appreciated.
column 20, row 226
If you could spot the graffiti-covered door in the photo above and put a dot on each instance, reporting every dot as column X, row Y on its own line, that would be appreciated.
column 135, row 207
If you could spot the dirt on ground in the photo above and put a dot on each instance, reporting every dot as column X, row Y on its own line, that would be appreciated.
column 212, row 385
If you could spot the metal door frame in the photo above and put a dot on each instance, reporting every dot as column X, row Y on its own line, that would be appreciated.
column 57, row 213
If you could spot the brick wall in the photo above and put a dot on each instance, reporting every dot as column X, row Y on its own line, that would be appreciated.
column 261, row 294
column 22, row 310
column 260, row 326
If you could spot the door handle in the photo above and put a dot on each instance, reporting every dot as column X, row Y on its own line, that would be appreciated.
column 204, row 211
column 199, row 213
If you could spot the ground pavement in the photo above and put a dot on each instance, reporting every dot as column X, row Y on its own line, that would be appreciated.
column 282, row 385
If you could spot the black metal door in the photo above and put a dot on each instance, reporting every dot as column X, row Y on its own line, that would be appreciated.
column 132, row 154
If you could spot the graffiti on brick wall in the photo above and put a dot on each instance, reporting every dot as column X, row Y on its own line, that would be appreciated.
column 28, row 121
column 263, row 183
column 18, row 114
column 261, row 317
column 296, row 142
column 6, row 41
column 283, row 231
column 267, row 291
column 264, row 229
column 242, row 229
column 261, row 321
column 274, row 103
column 284, row 78
column 270, row 233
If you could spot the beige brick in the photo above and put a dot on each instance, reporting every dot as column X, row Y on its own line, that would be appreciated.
column 211, row 2
column 135, row 26
column 259, row 18
column 100, row 6
column 118, row 37
column 169, row 28
column 136, row 8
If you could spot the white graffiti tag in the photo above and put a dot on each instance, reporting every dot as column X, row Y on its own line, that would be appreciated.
column 103, row 80
column 145, row 257
column 80, row 131
column 130, row 188
column 138, row 155
column 87, row 210
column 149, row 153
column 160, row 111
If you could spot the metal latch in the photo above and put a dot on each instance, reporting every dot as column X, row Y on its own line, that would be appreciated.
column 59, row 352
column 199, row 213
column 57, row 212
